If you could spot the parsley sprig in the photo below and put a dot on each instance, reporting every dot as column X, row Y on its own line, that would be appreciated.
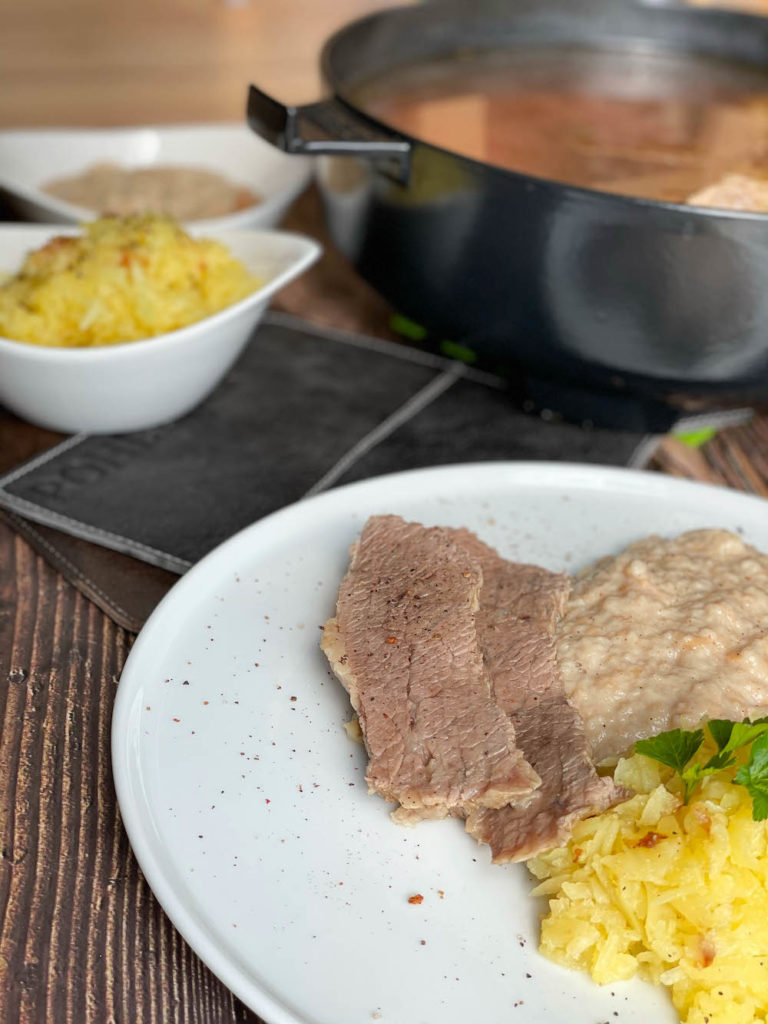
column 677, row 749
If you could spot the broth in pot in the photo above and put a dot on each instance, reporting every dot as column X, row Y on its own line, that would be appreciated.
column 646, row 123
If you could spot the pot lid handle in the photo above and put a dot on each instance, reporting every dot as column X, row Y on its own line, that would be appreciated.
column 327, row 128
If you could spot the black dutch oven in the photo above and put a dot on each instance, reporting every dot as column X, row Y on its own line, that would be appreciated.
column 599, row 306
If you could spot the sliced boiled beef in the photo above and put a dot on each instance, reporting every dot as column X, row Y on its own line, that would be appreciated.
column 404, row 644
column 448, row 653
column 519, row 608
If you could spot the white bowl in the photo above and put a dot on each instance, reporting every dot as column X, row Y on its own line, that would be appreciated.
column 118, row 388
column 30, row 159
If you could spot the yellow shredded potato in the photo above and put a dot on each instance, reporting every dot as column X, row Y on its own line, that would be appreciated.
column 677, row 894
column 123, row 279
column 353, row 730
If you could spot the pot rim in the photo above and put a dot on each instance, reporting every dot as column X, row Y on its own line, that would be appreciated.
column 342, row 93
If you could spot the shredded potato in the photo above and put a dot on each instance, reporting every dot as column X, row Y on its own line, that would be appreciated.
column 673, row 893
column 124, row 279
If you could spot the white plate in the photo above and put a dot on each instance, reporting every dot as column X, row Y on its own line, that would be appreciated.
column 29, row 159
column 245, row 801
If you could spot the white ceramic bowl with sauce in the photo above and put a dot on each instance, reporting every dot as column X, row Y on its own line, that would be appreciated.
column 112, row 389
column 31, row 158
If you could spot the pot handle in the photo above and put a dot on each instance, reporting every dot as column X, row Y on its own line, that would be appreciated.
column 327, row 128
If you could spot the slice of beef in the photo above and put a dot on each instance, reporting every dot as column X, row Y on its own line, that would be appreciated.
column 404, row 645
column 519, row 608
column 734, row 192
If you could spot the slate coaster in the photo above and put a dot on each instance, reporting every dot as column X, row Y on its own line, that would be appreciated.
column 472, row 421
column 303, row 410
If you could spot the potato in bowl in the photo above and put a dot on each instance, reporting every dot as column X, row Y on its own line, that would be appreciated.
column 137, row 383
column 122, row 279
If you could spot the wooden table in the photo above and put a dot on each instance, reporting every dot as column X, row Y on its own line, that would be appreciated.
column 82, row 939
column 85, row 62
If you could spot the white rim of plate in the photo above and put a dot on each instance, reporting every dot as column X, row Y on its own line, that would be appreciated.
column 425, row 482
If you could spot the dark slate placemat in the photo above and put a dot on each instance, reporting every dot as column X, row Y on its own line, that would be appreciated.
column 471, row 422
column 303, row 410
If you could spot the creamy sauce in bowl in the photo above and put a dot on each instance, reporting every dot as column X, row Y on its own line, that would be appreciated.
column 184, row 193
column 665, row 635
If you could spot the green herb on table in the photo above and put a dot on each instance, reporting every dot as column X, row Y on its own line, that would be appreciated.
column 678, row 747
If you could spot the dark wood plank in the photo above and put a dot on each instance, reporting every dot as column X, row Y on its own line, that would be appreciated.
column 20, row 441
column 82, row 939
column 736, row 457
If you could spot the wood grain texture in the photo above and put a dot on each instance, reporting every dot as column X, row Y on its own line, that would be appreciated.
column 90, row 63
column 736, row 457
column 82, row 939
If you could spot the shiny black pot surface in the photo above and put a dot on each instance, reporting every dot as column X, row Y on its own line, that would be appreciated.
column 601, row 306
